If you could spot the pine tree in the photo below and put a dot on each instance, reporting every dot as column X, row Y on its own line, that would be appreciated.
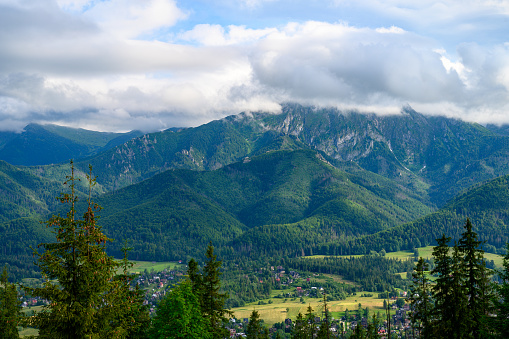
column 477, row 283
column 10, row 308
column 299, row 330
column 207, row 286
column 449, row 292
column 81, row 305
column 255, row 329
column 310, row 322
column 501, row 321
column 420, row 299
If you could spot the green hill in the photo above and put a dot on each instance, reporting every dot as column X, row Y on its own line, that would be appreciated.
column 52, row 144
column 487, row 206
column 23, row 194
column 177, row 212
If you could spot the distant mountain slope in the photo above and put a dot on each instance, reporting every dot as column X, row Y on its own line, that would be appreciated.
column 487, row 206
column 175, row 213
column 435, row 156
column 306, row 180
column 5, row 137
column 51, row 144
column 23, row 194
column 448, row 154
column 499, row 129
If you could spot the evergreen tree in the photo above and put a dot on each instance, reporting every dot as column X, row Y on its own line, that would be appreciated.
column 193, row 273
column 449, row 292
column 82, row 303
column 477, row 282
column 501, row 301
column 372, row 331
column 10, row 308
column 255, row 329
column 420, row 299
column 207, row 286
column 130, row 315
column 441, row 289
column 359, row 332
column 299, row 330
column 310, row 322
column 458, row 296
column 179, row 316
column 324, row 330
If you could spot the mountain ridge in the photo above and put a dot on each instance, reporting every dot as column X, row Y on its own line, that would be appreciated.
column 53, row 144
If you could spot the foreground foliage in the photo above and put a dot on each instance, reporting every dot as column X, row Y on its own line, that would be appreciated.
column 10, row 309
column 195, row 308
column 87, row 301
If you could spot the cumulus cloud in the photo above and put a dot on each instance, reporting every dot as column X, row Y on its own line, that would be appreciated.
column 342, row 65
column 99, row 64
column 132, row 18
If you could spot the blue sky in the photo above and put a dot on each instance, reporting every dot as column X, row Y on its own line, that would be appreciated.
column 117, row 65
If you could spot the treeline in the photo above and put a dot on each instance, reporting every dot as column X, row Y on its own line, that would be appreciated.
column 372, row 273
column 461, row 301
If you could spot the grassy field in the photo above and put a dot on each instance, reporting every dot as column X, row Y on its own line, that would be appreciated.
column 140, row 266
column 424, row 252
column 26, row 332
column 280, row 309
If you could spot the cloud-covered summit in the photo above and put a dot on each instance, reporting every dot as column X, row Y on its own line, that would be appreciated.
column 124, row 64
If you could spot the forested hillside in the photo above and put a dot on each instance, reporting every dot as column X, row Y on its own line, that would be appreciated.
column 486, row 205
column 176, row 212
column 305, row 181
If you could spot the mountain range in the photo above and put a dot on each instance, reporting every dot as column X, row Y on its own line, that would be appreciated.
column 304, row 181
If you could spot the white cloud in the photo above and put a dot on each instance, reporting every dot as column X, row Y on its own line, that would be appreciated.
column 216, row 35
column 390, row 30
column 348, row 65
column 132, row 18
column 84, row 63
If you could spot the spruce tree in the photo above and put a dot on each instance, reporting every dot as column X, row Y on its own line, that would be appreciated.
column 310, row 322
column 477, row 282
column 324, row 330
column 501, row 301
column 255, row 329
column 10, row 308
column 441, row 325
column 458, row 298
column 207, row 286
column 299, row 330
column 82, row 302
column 449, row 292
column 420, row 299
column 193, row 273
column 128, row 314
